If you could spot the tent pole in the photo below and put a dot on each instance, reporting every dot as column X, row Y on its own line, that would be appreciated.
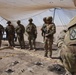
column 54, row 14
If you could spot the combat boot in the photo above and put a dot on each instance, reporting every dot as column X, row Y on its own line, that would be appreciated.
column 45, row 55
column 30, row 48
column 50, row 56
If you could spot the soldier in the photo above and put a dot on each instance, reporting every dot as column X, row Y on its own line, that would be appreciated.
column 68, row 48
column 20, row 30
column 50, row 31
column 43, row 28
column 1, row 33
column 10, row 34
column 32, row 33
column 61, row 38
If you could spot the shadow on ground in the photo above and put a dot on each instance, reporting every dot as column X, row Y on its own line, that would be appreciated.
column 39, row 45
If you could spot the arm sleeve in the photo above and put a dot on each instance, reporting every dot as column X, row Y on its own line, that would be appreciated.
column 35, row 30
column 23, row 29
column 52, row 30
column 27, row 28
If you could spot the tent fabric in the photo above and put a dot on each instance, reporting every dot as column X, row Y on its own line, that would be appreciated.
column 62, row 17
column 3, row 21
column 72, row 22
column 15, row 9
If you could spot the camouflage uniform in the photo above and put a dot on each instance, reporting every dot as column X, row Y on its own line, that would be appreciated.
column 20, row 30
column 50, row 31
column 43, row 28
column 32, row 33
column 61, row 39
column 1, row 33
column 68, row 56
column 68, row 49
column 10, row 33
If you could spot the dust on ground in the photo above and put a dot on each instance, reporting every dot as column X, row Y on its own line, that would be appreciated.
column 16, row 61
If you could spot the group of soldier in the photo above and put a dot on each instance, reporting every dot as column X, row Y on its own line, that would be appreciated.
column 48, row 30
column 19, row 30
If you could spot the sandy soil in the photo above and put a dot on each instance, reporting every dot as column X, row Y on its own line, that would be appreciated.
column 18, row 61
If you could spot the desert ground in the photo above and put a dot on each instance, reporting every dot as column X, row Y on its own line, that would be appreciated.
column 16, row 61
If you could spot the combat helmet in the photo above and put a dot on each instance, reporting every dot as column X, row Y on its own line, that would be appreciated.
column 44, row 18
column 30, row 19
column 49, row 18
column 8, row 22
column 18, row 21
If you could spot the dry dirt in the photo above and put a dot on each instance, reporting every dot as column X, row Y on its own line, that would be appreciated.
column 16, row 61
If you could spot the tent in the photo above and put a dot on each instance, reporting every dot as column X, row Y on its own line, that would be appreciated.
column 14, row 10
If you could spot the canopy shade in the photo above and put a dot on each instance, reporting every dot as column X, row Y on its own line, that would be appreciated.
column 62, row 17
column 18, row 9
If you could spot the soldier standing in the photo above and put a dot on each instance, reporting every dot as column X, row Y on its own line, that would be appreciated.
column 1, row 33
column 10, row 33
column 50, row 31
column 61, row 38
column 20, row 30
column 32, row 33
column 43, row 28
column 68, row 50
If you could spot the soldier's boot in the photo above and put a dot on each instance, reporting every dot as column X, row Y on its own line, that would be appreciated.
column 50, row 55
column 34, row 48
column 10, row 44
column 46, row 49
column 46, row 53
column 13, row 44
column 50, row 49
column 23, row 45
column 30, row 47
column 34, row 45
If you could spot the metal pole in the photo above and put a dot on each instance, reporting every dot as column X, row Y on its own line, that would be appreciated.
column 54, row 14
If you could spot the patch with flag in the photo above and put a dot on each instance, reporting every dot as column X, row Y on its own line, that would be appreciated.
column 73, row 33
